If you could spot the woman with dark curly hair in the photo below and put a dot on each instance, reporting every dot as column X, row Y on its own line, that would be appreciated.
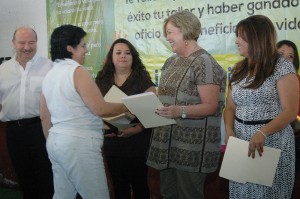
column 125, row 150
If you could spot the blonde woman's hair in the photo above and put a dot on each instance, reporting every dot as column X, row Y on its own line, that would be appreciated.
column 187, row 22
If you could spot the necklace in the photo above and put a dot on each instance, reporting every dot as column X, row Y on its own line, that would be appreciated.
column 166, row 79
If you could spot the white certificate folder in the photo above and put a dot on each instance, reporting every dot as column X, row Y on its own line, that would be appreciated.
column 237, row 166
column 144, row 106
column 114, row 95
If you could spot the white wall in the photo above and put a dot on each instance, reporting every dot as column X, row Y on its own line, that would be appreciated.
column 16, row 13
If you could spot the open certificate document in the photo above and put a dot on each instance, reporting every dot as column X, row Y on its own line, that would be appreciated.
column 121, row 121
column 144, row 106
column 237, row 166
column 114, row 95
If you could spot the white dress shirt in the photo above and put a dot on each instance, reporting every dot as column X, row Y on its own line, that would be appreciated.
column 20, row 89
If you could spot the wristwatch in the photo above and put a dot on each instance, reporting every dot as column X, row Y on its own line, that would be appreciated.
column 183, row 112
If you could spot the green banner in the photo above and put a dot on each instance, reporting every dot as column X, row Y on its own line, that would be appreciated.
column 96, row 17
column 141, row 21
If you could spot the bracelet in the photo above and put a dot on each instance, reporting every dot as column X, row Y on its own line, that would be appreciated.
column 262, row 133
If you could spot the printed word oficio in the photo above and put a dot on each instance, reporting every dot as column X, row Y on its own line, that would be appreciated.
column 145, row 34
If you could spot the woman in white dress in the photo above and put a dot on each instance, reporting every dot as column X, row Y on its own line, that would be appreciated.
column 262, row 101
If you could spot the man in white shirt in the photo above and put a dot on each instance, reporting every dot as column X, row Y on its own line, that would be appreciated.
column 20, row 87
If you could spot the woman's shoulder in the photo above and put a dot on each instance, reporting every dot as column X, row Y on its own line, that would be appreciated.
column 169, row 61
column 205, row 59
column 284, row 66
column 144, row 81
column 203, row 54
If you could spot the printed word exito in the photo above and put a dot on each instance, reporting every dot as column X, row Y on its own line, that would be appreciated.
column 140, row 16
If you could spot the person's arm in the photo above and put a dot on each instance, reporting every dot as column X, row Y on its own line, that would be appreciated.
column 45, row 116
column 92, row 97
column 137, row 128
column 229, row 115
column 288, row 91
column 209, row 95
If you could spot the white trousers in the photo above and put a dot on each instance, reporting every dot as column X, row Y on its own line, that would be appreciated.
column 77, row 166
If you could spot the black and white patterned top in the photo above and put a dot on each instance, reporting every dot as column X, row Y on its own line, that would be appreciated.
column 191, row 145
column 263, row 103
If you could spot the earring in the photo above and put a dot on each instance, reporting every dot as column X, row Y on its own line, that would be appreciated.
column 186, row 43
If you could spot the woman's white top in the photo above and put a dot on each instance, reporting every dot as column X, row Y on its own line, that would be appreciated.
column 69, row 114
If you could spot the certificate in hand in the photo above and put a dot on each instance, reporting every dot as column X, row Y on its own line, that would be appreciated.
column 237, row 166
column 122, row 121
column 143, row 106
column 114, row 95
